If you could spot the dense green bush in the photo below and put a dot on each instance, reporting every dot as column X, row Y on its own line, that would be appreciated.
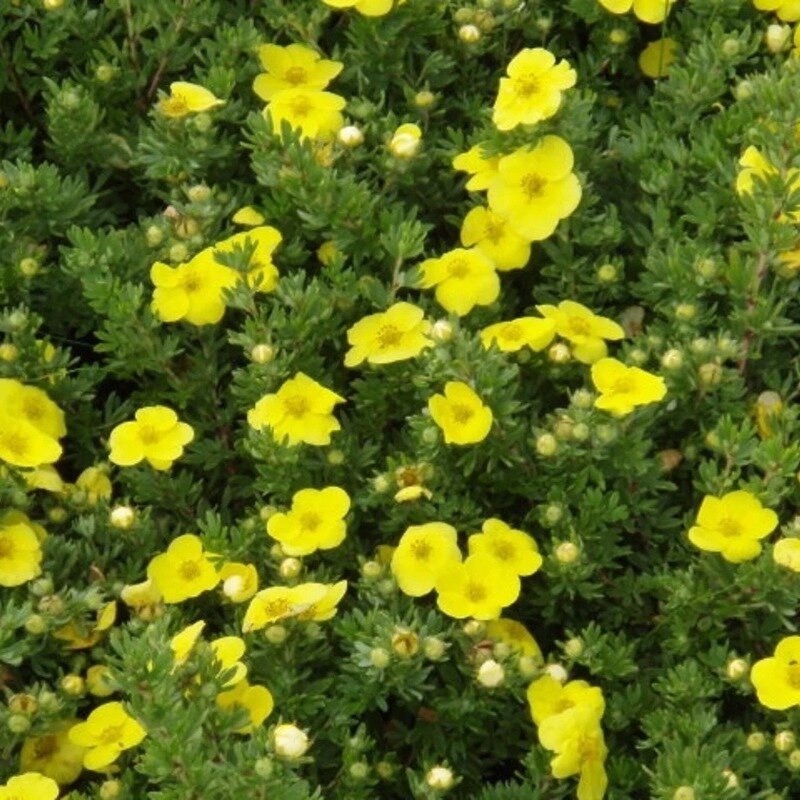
column 688, row 254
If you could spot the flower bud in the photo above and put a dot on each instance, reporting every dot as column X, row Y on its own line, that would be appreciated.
column 553, row 513
column 52, row 604
column 122, row 517
column 406, row 141
column 350, row 136
column 794, row 759
column 433, row 648
column 557, row 672
column 424, row 99
column 670, row 459
column 756, row 741
column 567, row 553
column 469, row 34
column 684, row 793
column 275, row 634
column 290, row 568
column 582, row 398
column 784, row 741
column 154, row 236
column 405, row 642
column 262, row 353
column 335, row 457
column 730, row 47
column 17, row 723
column 700, row 346
column 442, row 330
column 618, row 36
column 463, row 15
column 686, row 311
column 385, row 770
column 73, row 684
column 379, row 657
column 474, row 628
column 289, row 741
column 672, row 359
column 491, row 674
column 440, row 778
column 710, row 374
column 42, row 586
column 573, row 647
column 743, row 90
column 23, row 704
column 546, row 445
column 777, row 37
column 8, row 352
column 559, row 353
column 17, row 320
column 110, row 789
column 264, row 767
column 580, row 432
column 35, row 624
column 199, row 193
column 733, row 780
column 57, row 514
column 528, row 666
column 359, row 770
column 706, row 268
column 737, row 669
column 28, row 267
column 52, row 5
column 607, row 273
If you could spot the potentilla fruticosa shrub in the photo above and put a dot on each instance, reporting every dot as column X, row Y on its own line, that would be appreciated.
column 398, row 399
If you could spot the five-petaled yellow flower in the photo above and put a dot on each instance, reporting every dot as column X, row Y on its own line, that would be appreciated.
column 183, row 571
column 511, row 549
column 463, row 279
column 516, row 636
column 547, row 697
column 314, row 522
column 29, row 786
column 585, row 330
column 733, row 526
column 515, row 334
column 262, row 274
column 656, row 59
column 257, row 701
column 478, row 587
column 423, row 553
column 650, row 11
column 393, row 335
column 533, row 89
column 777, row 679
column 52, row 754
column 300, row 411
column 20, row 550
column 481, row 168
column 313, row 113
column 280, row 602
column 536, row 188
column 107, row 731
column 492, row 235
column 461, row 414
column 623, row 388
column 188, row 98
column 292, row 67
column 156, row 435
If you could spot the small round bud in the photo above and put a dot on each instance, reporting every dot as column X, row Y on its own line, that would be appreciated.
column 733, row 780
column 264, row 767
column 359, row 770
column 289, row 741
column 463, row 15
column 469, row 34
column 670, row 459
column 712, row 440
column 686, row 311
column 42, row 587
column 607, row 273
column 484, row 19
column 335, row 457
column 199, row 193
column 18, row 723
column 275, row 634
column 35, row 624
column 710, row 374
column 684, row 793
column 756, row 741
column 501, row 650
column 706, row 268
column 105, row 73
column 567, row 553
column 582, row 398
column 57, row 514
column 743, row 90
column 442, row 330
column 580, row 432
column 122, row 517
column 777, row 37
column 546, row 445
column 350, row 136
column 28, row 267
column 433, row 648
column 379, row 657
column 381, row 483
column 553, row 513
column 557, row 672
column 49, row 701
column 528, row 666
column 474, row 628
column 110, row 789
column 405, row 142
column 794, row 759
column 559, row 353
column 618, row 36
column 491, row 674
column 290, row 568
column 544, row 24
column 52, row 5
column 700, row 346
column 637, row 356
column 573, row 647
column 405, row 642
column 385, row 770
column 178, row 253
column 730, row 47
column 371, row 570
column 784, row 741
column 672, row 359
column 23, row 704
column 387, row 587
column 440, row 778
column 73, row 684
column 202, row 123
column 737, row 669
column 154, row 236
column 8, row 352
column 424, row 99
column 17, row 320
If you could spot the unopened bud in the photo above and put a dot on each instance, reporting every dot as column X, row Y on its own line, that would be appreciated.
column 756, row 741
column 290, row 568
column 424, row 99
column 784, row 741
column 110, row 789
column 433, row 648
column 573, row 647
column 122, row 517
column 23, row 704
column 777, row 37
column 546, row 445
column 275, row 634
column 737, row 669
column 469, row 34
column 440, row 778
column 559, row 353
column 8, row 352
column 350, row 136
column 710, row 374
column 567, row 553
column 607, row 273
column 289, row 741
column 442, row 331
column 672, row 359
column 684, row 793
column 557, row 672
column 379, row 657
column 73, row 684
column 405, row 642
column 491, row 674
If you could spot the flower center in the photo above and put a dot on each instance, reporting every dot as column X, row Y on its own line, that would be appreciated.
column 189, row 570
column 176, row 104
column 533, row 185
column 495, row 230
column 310, row 521
column 275, row 609
column 461, row 413
column 729, row 528
column 301, row 107
column 458, row 268
column 192, row 283
column 6, row 547
column 45, row 747
column 110, row 735
column 475, row 592
column 148, row 434
column 527, row 85
column 578, row 326
column 296, row 76
column 421, row 550
column 389, row 336
column 793, row 674
column 296, row 406
column 33, row 409
column 503, row 550
column 15, row 443
column 623, row 385
column 512, row 332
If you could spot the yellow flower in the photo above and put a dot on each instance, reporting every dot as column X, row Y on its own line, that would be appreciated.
column 292, row 67
column 461, row 414
column 188, row 98
column 755, row 167
column 533, row 89
column 315, row 521
column 786, row 552
column 482, row 169
column 547, row 698
column 406, row 140
column 29, row 786
column 536, row 188
column 53, row 755
column 156, row 435
column 300, row 411
column 510, row 549
column 787, row 10
column 98, row 680
column 280, row 602
column 257, row 701
column 656, row 59
column 477, row 588
column 239, row 581
column 326, row 607
column 249, row 216
column 143, row 597
column 463, row 279
column 623, row 388
column 576, row 738
column 515, row 635
column 369, row 8
column 492, row 235
column 45, row 477
column 315, row 114
column 79, row 637
column 262, row 275
column 423, row 553
column 651, row 11
column 767, row 409
column 24, row 445
column 20, row 551
column 327, row 252
column 517, row 333
column 393, row 335
column 192, row 291
column 32, row 405
column 183, row 571
column 183, row 642
column 777, row 679
column 583, row 329
column 95, row 483
column 227, row 652
column 108, row 731
column 732, row 526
